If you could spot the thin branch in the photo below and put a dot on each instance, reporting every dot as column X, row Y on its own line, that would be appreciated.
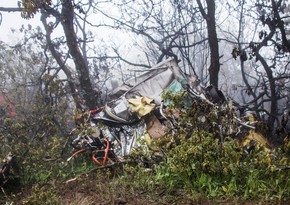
column 11, row 9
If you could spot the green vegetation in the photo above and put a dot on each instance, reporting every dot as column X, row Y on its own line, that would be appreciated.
column 42, row 195
column 200, row 164
column 214, row 164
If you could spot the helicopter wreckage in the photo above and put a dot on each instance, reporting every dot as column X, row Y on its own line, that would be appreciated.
column 138, row 111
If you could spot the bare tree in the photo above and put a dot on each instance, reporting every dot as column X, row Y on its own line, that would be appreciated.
column 266, row 53
column 166, row 29
column 64, row 14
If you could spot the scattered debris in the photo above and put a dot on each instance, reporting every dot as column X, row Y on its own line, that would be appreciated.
column 138, row 112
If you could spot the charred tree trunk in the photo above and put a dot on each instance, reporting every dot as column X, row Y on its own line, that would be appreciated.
column 214, row 67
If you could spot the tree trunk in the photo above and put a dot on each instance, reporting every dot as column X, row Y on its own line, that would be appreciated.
column 67, row 14
column 61, row 63
column 273, row 96
column 213, row 44
column 214, row 67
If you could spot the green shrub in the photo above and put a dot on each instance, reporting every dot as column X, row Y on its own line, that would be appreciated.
column 205, row 158
column 36, row 139
column 202, row 164
column 42, row 195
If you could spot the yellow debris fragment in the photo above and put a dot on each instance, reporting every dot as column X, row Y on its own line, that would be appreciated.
column 141, row 105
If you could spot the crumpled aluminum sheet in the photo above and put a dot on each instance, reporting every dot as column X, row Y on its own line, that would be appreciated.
column 124, row 138
column 152, row 83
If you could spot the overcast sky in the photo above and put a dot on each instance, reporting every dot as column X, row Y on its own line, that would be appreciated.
column 12, row 20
